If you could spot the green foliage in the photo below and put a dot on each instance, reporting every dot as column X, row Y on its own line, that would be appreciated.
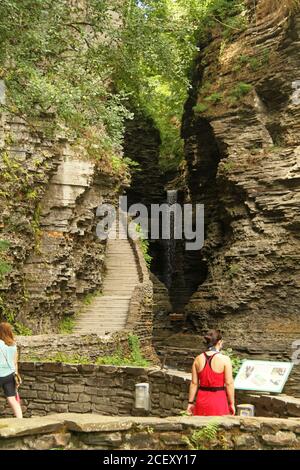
column 67, row 325
column 12, row 173
column 54, row 63
column 135, row 357
column 214, row 98
column 233, row 269
column 254, row 62
column 200, row 108
column 21, row 329
column 144, row 246
column 229, row 15
column 9, row 316
column 227, row 167
column 235, row 24
column 67, row 359
column 235, row 360
column 5, row 268
column 88, row 299
column 241, row 89
column 32, row 194
column 59, row 65
column 134, row 346
column 122, row 163
column 116, row 360
column 4, row 245
column 131, row 163
column 201, row 439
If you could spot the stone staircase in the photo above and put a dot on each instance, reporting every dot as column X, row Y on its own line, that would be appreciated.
column 108, row 311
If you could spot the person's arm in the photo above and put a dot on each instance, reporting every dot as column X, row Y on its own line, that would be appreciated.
column 193, row 389
column 229, row 383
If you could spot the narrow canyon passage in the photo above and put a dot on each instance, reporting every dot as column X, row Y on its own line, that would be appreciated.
column 203, row 112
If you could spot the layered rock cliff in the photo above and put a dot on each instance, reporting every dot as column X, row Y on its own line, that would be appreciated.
column 241, row 131
column 51, row 256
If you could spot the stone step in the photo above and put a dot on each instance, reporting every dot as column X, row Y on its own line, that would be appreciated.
column 116, row 287
column 99, row 332
column 110, row 298
column 125, row 275
column 115, row 284
column 97, row 321
column 124, row 267
column 121, row 269
column 108, row 312
column 116, row 316
column 102, row 324
column 120, row 280
column 112, row 301
column 111, row 290
column 106, row 305
column 127, row 290
column 99, row 327
column 124, row 270
column 116, row 272
column 117, row 255
column 104, row 313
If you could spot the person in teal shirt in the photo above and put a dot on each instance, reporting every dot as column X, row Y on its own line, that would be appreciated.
column 8, row 367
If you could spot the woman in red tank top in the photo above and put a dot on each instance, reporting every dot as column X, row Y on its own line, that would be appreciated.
column 212, row 387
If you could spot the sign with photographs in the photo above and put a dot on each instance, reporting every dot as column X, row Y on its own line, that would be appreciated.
column 263, row 376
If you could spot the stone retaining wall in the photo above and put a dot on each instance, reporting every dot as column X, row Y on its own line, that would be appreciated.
column 273, row 406
column 71, row 431
column 109, row 390
column 140, row 312
column 89, row 346
column 55, row 388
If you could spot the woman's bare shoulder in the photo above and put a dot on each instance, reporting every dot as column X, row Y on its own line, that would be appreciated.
column 225, row 358
column 199, row 358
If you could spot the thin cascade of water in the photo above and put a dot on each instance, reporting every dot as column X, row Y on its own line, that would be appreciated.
column 170, row 242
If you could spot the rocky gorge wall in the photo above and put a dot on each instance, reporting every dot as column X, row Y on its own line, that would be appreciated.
column 50, row 190
column 241, row 131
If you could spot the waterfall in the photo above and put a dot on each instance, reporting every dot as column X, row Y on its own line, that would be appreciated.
column 171, row 242
column 172, row 196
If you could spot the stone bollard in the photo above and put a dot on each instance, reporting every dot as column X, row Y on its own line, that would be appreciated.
column 245, row 410
column 142, row 399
